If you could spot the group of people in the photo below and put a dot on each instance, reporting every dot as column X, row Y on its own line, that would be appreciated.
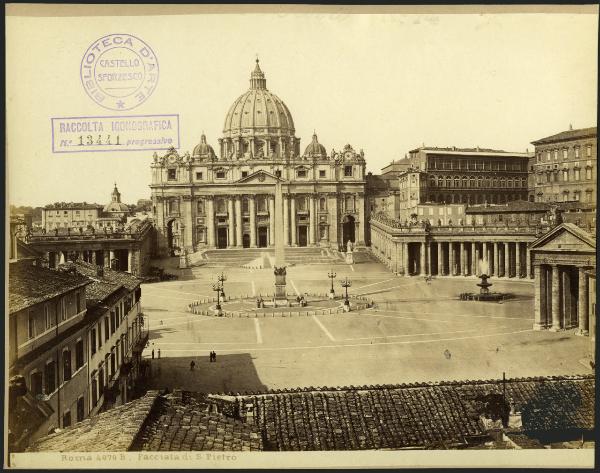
column 212, row 357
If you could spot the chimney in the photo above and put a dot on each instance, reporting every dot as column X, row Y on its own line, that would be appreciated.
column 100, row 271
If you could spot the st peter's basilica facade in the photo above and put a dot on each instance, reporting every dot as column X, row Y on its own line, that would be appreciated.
column 205, row 200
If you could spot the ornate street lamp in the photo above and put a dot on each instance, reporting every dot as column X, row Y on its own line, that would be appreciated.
column 346, row 283
column 217, row 288
column 331, row 275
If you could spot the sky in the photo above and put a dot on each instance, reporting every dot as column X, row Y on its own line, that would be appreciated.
column 382, row 83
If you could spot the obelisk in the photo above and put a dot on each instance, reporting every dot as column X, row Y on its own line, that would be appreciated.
column 280, row 293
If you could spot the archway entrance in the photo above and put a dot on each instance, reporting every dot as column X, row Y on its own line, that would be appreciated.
column 246, row 240
column 348, row 229
column 222, row 237
column 262, row 237
column 302, row 235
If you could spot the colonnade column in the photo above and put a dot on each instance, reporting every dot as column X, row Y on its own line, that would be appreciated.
column 440, row 259
column 106, row 257
column 540, row 291
column 272, row 220
column 507, row 260
column 555, row 298
column 451, row 271
column 129, row 259
column 463, row 259
column 428, row 248
column 360, row 239
column 422, row 269
column 210, row 221
column 528, row 263
column 293, row 219
column 252, row 209
column 496, row 269
column 231, row 224
column 286, row 221
column 332, row 203
column 312, row 219
column 474, row 259
column 518, row 259
column 238, row 220
column 582, row 303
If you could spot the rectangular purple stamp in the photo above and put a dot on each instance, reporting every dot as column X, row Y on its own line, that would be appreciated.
column 115, row 133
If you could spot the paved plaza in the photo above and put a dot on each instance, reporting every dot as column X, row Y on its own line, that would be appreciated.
column 417, row 331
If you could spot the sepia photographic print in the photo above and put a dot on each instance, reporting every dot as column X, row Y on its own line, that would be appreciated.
column 300, row 236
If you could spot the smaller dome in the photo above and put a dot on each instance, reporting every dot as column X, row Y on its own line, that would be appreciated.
column 203, row 148
column 116, row 207
column 315, row 149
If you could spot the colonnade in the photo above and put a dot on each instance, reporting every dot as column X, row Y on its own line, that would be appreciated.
column 439, row 257
column 95, row 257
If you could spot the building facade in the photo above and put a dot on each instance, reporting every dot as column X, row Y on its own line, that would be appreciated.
column 226, row 199
column 564, row 262
column 463, row 176
column 565, row 167
column 69, row 215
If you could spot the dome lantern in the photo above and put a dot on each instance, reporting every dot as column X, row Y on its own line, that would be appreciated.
column 257, row 78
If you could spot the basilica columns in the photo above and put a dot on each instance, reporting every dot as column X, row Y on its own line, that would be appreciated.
column 293, row 219
column 422, row 262
column 463, row 259
column 333, row 217
column 238, row 220
column 272, row 220
column 405, row 259
column 528, row 263
column 451, row 271
column 517, row 259
column 210, row 221
column 252, row 209
column 474, row 259
column 440, row 259
column 231, row 224
column 312, row 219
column 506, row 260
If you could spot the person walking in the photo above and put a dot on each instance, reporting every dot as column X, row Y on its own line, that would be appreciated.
column 210, row 356
column 192, row 364
column 153, row 353
column 214, row 357
column 159, row 353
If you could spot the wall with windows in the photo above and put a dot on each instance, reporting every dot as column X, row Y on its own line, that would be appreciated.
column 565, row 171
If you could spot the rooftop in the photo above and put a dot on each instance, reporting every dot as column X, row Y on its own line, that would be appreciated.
column 72, row 205
column 173, row 422
column 568, row 135
column 514, row 206
column 470, row 151
column 30, row 284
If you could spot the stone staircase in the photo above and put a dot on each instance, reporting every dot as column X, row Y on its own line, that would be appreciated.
column 258, row 258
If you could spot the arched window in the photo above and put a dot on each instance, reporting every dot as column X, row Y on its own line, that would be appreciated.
column 432, row 181
column 322, row 204
column 502, row 182
column 509, row 183
column 495, row 182
column 456, row 181
column 479, row 181
column 200, row 207
column 486, row 182
column 448, row 181
column 465, row 182
column 472, row 181
column 349, row 203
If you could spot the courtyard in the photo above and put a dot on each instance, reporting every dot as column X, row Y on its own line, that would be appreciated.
column 417, row 331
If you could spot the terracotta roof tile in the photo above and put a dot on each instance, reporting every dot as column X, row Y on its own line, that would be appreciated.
column 30, row 284
column 568, row 135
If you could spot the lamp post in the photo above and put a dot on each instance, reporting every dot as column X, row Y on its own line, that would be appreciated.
column 218, row 288
column 221, row 279
column 346, row 283
column 331, row 275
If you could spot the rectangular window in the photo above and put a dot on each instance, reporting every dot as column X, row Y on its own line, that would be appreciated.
column 564, row 153
column 118, row 316
column 94, row 392
column 106, row 329
column 172, row 174
column 66, row 365
column 99, row 334
column 50, row 376
column 63, row 309
column 36, row 384
column 301, row 173
column 200, row 207
column 93, row 341
column 244, row 173
column 112, row 363
column 66, row 419
column 278, row 173
column 112, row 323
column 565, row 175
column 588, row 151
column 220, row 175
column 576, row 151
column 321, row 173
column 198, row 176
column 79, row 354
column 80, row 409
column 588, row 173
column 31, row 326
column 577, row 174
column 47, row 316
column 78, row 302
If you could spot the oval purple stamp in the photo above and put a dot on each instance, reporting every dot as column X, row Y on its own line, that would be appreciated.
column 119, row 71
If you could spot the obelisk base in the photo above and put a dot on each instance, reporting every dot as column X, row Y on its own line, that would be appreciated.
column 280, row 284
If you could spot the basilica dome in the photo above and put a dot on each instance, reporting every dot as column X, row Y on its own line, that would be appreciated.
column 315, row 149
column 203, row 149
column 258, row 110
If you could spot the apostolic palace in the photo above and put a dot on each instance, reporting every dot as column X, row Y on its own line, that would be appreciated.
column 225, row 199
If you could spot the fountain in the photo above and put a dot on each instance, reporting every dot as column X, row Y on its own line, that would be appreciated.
column 484, row 291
